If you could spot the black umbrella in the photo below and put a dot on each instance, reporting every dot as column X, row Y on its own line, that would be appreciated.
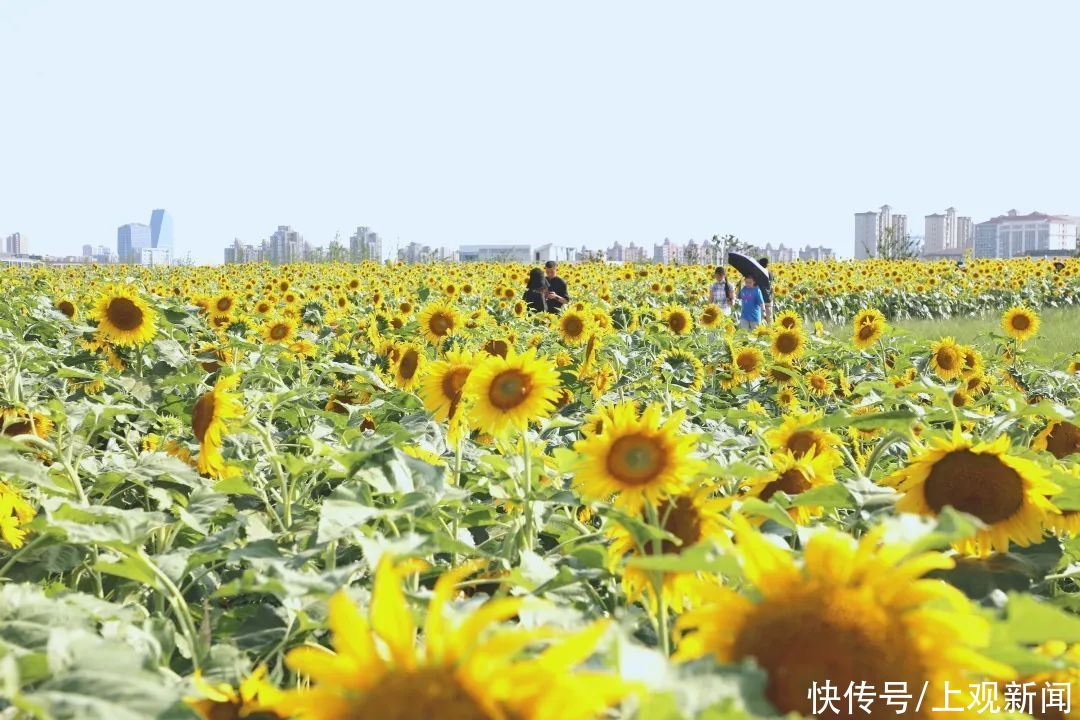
column 749, row 266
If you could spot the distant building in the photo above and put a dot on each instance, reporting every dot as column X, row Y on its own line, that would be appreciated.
column 161, row 231
column 817, row 253
column 88, row 250
column 866, row 235
column 286, row 246
column 634, row 254
column 551, row 251
column 130, row 240
column 616, row 252
column 939, row 234
column 899, row 227
column 666, row 252
column 365, row 245
column 964, row 233
column 1034, row 234
column 154, row 256
column 16, row 244
column 495, row 253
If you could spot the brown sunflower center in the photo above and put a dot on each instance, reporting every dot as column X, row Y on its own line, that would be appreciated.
column 1020, row 322
column 792, row 482
column 1063, row 440
column 946, row 358
column 124, row 314
column 223, row 304
column 840, row 635
column 684, row 522
column 636, row 459
column 19, row 426
column 802, row 442
column 452, row 384
column 788, row 322
column 710, row 315
column 202, row 415
column 573, row 326
column 410, row 360
column 818, row 382
column 440, row 324
column 419, row 695
column 787, row 342
column 509, row 389
column 677, row 322
column 747, row 361
column 981, row 485
column 496, row 347
column 67, row 308
column 867, row 331
column 279, row 331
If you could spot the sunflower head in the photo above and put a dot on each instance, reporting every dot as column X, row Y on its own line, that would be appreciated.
column 508, row 393
column 124, row 318
column 1020, row 323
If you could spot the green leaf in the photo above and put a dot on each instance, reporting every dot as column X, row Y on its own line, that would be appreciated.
column 768, row 510
column 1031, row 622
column 130, row 567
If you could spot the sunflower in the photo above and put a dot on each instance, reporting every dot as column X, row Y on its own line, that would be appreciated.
column 280, row 330
column 574, row 327
column 15, row 512
column 748, row 361
column 818, row 383
column 1020, row 323
column 1060, row 437
column 793, row 476
column 681, row 370
column 209, row 418
column 467, row 670
column 636, row 459
column 788, row 320
column 799, row 436
column 787, row 343
column 711, row 316
column 1009, row 494
column 124, row 318
column 408, row 365
column 946, row 359
column 253, row 699
column 68, row 307
column 438, row 321
column 869, row 316
column 786, row 398
column 509, row 393
column 851, row 613
column 677, row 319
column 443, row 386
column 693, row 518
column 624, row 318
column 867, row 334
column 16, row 421
column 223, row 304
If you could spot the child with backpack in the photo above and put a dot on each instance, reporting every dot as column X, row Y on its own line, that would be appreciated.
column 720, row 292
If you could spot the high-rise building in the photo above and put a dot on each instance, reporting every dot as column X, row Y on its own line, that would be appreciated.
column 161, row 231
column 16, row 244
column 666, row 252
column 884, row 221
column 866, row 235
column 634, row 253
column 616, row 252
column 88, row 250
column 940, row 234
column 899, row 228
column 130, row 240
column 964, row 233
column 816, row 253
column 286, row 246
column 365, row 245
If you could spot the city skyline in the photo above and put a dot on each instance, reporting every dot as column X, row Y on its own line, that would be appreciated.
column 457, row 125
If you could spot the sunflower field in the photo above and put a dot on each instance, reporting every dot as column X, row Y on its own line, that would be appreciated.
column 332, row 491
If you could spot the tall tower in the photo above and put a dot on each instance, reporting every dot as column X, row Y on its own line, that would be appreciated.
column 161, row 231
column 866, row 235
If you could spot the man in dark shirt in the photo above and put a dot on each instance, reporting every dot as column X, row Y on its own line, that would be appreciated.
column 556, row 292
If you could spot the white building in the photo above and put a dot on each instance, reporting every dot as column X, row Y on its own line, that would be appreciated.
column 866, row 235
column 154, row 256
column 633, row 253
column 17, row 244
column 816, row 253
column 1034, row 234
column 286, row 246
column 551, row 251
column 666, row 252
column 495, row 253
column 940, row 236
column 616, row 252
column 899, row 227
column 964, row 233
column 365, row 245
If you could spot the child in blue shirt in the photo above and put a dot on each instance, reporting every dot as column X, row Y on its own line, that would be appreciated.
column 752, row 303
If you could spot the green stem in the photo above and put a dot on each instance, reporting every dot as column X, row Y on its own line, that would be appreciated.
column 657, row 577
column 527, row 450
column 180, row 607
column 15, row 555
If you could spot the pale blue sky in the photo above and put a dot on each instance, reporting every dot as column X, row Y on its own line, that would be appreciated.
column 575, row 122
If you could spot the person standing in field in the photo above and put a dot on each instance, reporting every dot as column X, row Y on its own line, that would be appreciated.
column 752, row 304
column 534, row 291
column 766, row 290
column 556, row 293
column 721, row 292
